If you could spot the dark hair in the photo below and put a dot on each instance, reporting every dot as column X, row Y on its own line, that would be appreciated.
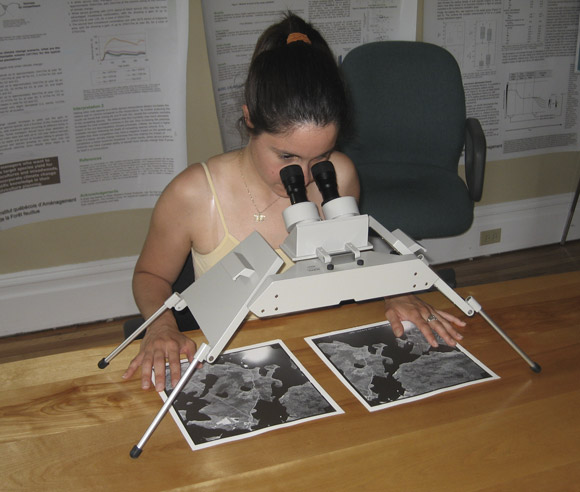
column 296, row 83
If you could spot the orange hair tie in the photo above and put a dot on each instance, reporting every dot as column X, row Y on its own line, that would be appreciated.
column 297, row 36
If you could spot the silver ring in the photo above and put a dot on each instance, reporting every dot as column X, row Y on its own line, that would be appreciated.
column 431, row 317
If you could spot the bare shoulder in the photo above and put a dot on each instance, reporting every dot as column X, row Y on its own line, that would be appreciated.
column 191, row 190
column 176, row 212
column 342, row 163
column 187, row 186
column 188, row 202
column 172, row 226
column 346, row 175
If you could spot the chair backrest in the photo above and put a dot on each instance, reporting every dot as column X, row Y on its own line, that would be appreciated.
column 408, row 104
column 409, row 123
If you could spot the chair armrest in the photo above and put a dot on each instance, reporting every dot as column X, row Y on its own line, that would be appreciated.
column 475, row 154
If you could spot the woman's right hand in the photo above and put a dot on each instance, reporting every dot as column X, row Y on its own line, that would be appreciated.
column 161, row 343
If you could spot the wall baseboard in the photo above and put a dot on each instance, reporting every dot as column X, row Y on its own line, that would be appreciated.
column 74, row 294
column 524, row 224
column 63, row 296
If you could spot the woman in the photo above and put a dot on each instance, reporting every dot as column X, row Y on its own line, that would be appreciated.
column 295, row 108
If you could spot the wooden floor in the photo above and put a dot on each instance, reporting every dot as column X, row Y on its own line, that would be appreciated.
column 508, row 266
column 532, row 262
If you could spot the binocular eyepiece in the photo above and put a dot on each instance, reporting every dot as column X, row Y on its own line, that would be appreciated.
column 324, row 175
column 301, row 210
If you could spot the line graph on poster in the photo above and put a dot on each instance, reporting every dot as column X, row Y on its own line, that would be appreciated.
column 531, row 96
column 121, row 59
column 120, row 48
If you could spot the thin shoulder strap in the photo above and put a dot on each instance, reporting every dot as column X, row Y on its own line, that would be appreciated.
column 215, row 197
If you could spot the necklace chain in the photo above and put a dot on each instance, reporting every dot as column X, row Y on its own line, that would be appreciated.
column 259, row 215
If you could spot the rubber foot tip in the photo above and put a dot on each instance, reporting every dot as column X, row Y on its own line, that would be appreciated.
column 103, row 363
column 536, row 367
column 136, row 452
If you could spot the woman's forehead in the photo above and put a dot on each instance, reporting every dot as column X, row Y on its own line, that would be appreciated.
column 310, row 139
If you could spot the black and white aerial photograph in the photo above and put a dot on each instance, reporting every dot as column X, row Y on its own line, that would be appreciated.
column 382, row 370
column 247, row 391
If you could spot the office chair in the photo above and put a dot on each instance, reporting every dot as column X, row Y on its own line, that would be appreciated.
column 409, row 130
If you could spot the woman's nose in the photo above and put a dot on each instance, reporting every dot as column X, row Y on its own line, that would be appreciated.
column 307, row 173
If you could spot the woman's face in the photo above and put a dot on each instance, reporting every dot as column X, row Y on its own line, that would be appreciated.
column 304, row 145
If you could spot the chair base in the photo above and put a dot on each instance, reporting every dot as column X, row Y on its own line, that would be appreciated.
column 448, row 276
column 131, row 325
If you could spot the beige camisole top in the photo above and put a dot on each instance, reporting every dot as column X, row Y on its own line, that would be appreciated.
column 203, row 262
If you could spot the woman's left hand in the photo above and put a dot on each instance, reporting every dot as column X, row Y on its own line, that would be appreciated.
column 428, row 319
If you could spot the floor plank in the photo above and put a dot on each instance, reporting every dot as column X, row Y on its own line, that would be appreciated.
column 531, row 262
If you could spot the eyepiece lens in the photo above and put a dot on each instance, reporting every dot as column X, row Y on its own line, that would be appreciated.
column 293, row 180
column 325, row 177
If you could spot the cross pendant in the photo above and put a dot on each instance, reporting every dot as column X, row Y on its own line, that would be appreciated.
column 259, row 217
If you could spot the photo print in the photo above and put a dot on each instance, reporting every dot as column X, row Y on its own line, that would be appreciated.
column 382, row 370
column 247, row 391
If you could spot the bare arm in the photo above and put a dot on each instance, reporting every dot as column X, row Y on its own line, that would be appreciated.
column 166, row 247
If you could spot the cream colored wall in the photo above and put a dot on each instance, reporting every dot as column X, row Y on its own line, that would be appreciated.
column 530, row 177
column 120, row 234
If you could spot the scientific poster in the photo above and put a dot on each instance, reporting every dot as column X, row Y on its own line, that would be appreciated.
column 382, row 370
column 247, row 391
column 232, row 29
column 92, row 105
column 518, row 66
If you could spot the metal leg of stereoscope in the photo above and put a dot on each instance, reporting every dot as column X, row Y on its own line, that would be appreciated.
column 334, row 261
column 236, row 277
